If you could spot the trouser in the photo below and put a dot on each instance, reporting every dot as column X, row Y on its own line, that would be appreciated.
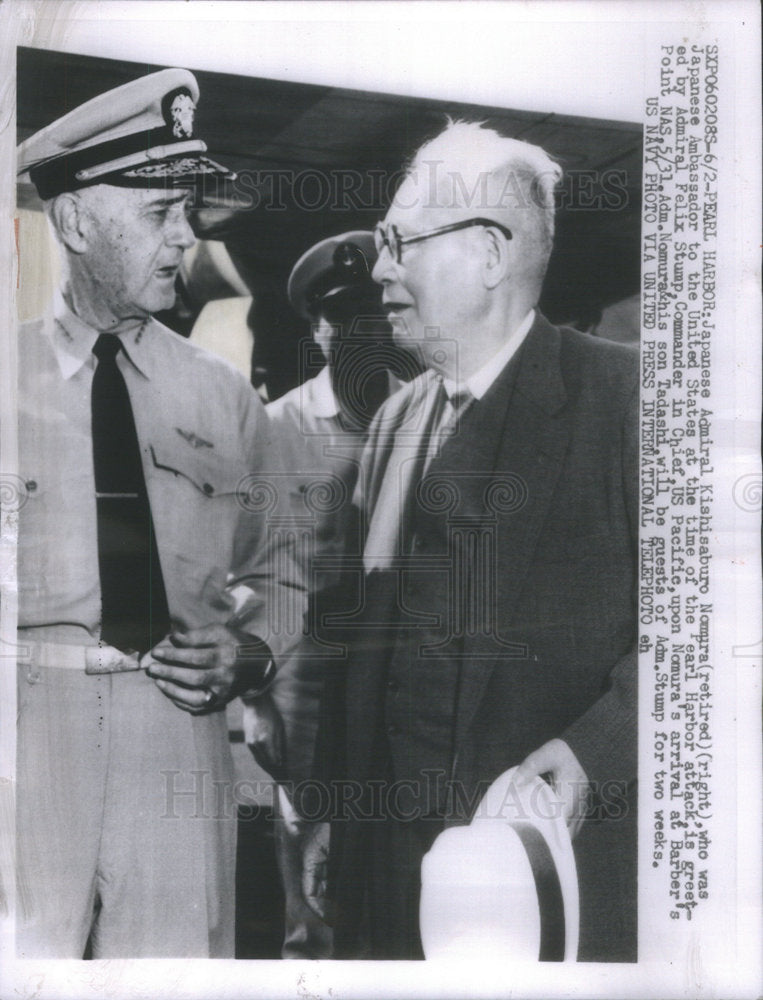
column 394, row 886
column 126, row 834
column 302, row 844
column 301, row 855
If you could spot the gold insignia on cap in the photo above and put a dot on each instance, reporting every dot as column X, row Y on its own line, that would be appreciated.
column 181, row 113
column 133, row 136
column 350, row 259
column 179, row 168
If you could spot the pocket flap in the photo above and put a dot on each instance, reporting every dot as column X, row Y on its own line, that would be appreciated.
column 212, row 472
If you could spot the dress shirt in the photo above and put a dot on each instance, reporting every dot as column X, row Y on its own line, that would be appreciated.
column 201, row 462
column 317, row 397
column 322, row 456
column 416, row 432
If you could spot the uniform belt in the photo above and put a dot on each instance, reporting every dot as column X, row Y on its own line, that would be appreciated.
column 91, row 659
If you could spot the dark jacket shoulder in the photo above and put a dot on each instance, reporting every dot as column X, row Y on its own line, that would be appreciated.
column 597, row 362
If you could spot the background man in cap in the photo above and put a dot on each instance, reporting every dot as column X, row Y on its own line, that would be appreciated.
column 321, row 427
column 148, row 580
column 499, row 492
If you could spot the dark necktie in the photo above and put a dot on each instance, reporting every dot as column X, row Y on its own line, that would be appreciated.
column 446, row 413
column 417, row 468
column 133, row 600
column 451, row 412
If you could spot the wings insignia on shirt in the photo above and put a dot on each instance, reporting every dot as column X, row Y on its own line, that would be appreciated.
column 193, row 439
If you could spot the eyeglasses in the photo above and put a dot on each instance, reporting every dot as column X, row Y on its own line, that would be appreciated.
column 394, row 242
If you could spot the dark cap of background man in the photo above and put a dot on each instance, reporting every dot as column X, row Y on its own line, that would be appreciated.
column 330, row 267
column 138, row 135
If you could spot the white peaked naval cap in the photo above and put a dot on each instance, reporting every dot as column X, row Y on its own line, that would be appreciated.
column 141, row 134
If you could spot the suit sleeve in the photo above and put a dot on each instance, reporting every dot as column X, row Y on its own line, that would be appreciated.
column 604, row 739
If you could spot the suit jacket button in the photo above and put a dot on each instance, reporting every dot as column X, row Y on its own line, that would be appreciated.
column 392, row 730
column 208, row 489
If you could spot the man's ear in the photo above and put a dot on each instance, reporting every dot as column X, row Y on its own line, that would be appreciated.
column 69, row 219
column 497, row 258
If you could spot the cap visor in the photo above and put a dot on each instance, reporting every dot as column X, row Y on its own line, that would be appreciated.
column 180, row 171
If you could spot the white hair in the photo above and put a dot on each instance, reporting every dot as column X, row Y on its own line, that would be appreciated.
column 473, row 169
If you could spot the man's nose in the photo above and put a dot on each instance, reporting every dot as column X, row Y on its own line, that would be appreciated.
column 382, row 270
column 180, row 232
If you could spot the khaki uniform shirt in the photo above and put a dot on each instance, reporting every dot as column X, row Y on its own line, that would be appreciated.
column 212, row 473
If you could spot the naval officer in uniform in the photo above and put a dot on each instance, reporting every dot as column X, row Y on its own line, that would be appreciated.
column 152, row 589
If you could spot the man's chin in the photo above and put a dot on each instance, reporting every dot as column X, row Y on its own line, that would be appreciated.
column 160, row 301
column 402, row 334
column 412, row 342
column 414, row 349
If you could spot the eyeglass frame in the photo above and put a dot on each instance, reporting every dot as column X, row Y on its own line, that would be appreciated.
column 402, row 241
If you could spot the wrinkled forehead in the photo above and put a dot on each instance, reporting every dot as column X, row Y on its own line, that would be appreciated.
column 112, row 199
column 149, row 196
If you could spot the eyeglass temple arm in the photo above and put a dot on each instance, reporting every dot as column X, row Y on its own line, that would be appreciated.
column 442, row 230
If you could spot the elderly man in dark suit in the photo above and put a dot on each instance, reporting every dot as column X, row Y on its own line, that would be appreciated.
column 497, row 621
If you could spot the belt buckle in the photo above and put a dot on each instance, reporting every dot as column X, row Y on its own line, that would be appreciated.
column 109, row 660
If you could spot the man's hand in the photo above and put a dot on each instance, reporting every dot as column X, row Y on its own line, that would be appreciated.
column 265, row 735
column 568, row 779
column 204, row 668
column 315, row 862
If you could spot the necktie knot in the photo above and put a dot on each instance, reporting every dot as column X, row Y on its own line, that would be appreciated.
column 447, row 413
column 107, row 347
column 460, row 400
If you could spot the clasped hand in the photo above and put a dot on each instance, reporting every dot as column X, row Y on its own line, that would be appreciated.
column 204, row 668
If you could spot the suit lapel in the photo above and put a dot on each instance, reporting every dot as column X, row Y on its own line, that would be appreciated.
column 527, row 460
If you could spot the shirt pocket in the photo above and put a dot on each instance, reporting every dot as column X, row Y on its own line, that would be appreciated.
column 34, row 501
column 57, row 540
column 197, row 498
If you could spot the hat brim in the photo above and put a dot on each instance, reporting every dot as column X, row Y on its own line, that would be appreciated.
column 181, row 171
column 531, row 815
column 312, row 276
column 191, row 171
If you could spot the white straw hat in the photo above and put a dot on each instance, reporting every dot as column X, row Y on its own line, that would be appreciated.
column 505, row 887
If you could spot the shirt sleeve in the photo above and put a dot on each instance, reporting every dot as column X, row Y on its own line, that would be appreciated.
column 265, row 580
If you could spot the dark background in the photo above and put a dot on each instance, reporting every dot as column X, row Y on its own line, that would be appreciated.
column 294, row 144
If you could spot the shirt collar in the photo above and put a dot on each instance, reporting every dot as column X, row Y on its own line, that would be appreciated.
column 73, row 341
column 479, row 383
